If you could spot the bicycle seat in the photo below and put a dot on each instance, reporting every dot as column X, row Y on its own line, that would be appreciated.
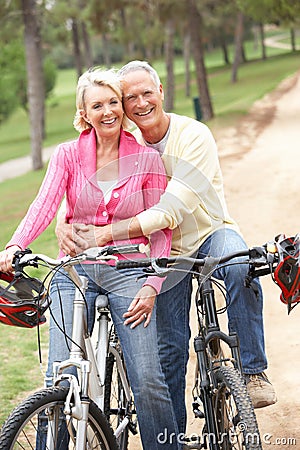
column 101, row 301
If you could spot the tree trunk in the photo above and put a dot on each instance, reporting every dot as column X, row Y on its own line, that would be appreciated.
column 238, row 42
column 262, row 40
column 224, row 48
column 88, row 55
column 186, row 55
column 129, row 44
column 106, row 54
column 293, row 40
column 169, row 55
column 76, row 48
column 35, row 80
column 148, row 26
column 195, row 22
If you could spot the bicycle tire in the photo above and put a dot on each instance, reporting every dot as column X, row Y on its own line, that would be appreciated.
column 236, row 421
column 27, row 427
column 116, row 406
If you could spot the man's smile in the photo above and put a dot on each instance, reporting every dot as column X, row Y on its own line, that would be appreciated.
column 141, row 114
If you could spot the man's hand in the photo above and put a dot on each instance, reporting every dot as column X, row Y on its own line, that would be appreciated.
column 140, row 309
column 96, row 236
column 69, row 239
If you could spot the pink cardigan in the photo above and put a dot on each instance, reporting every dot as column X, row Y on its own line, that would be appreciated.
column 72, row 171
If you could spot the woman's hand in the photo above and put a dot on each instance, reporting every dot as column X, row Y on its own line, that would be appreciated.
column 6, row 258
column 140, row 309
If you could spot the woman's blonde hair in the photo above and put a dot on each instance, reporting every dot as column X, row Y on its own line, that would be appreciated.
column 93, row 77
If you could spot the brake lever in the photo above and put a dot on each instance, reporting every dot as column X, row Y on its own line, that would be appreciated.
column 258, row 256
column 16, row 261
column 156, row 270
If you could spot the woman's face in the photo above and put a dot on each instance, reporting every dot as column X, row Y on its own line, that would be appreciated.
column 104, row 110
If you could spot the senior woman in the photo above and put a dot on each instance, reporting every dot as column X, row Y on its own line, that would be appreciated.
column 107, row 176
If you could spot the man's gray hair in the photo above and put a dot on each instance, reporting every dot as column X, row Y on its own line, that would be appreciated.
column 133, row 66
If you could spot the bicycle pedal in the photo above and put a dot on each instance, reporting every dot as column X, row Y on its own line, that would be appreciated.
column 132, row 427
column 197, row 411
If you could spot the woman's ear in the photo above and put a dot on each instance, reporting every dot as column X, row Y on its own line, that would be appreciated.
column 84, row 116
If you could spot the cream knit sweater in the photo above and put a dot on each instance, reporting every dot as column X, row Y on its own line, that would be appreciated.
column 193, row 205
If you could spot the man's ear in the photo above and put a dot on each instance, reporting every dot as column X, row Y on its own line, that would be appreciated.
column 161, row 90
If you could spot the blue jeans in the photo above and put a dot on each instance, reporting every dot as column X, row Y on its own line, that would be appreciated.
column 155, row 412
column 244, row 317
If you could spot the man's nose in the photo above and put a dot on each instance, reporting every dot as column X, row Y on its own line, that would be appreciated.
column 141, row 101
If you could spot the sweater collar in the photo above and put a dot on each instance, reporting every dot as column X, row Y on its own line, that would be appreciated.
column 87, row 145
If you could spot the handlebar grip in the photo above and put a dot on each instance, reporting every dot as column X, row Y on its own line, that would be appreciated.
column 133, row 264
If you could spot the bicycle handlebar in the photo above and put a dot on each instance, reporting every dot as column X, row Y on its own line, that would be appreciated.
column 257, row 256
column 198, row 262
column 25, row 258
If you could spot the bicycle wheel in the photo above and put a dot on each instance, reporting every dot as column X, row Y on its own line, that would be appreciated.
column 40, row 423
column 236, row 421
column 117, row 408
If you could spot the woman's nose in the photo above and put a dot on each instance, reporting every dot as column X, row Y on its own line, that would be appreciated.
column 107, row 110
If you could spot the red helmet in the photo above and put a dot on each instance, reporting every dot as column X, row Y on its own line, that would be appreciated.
column 23, row 300
column 287, row 272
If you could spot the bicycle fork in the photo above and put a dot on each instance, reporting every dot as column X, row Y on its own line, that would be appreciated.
column 206, row 344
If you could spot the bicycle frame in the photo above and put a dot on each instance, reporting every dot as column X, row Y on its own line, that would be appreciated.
column 91, row 364
column 208, row 341
column 213, row 333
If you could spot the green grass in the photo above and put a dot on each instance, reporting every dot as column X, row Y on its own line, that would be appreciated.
column 60, row 110
column 255, row 79
column 19, row 364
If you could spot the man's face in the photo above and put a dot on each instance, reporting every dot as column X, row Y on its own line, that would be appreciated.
column 142, row 99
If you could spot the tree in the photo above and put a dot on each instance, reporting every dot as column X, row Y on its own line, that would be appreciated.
column 186, row 56
column 35, row 79
column 76, row 47
column 169, row 56
column 271, row 11
column 238, row 46
column 9, row 80
column 196, row 25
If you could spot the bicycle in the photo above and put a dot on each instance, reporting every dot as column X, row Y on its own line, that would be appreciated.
column 97, row 409
column 220, row 395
